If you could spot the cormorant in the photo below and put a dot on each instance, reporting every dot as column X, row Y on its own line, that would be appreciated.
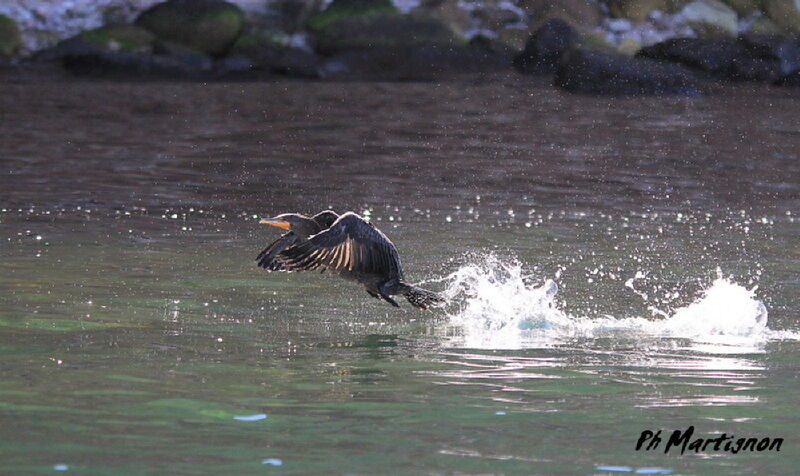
column 346, row 245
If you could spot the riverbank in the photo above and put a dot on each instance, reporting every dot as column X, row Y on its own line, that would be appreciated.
column 585, row 46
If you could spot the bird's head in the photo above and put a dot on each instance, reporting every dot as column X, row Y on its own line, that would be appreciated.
column 285, row 221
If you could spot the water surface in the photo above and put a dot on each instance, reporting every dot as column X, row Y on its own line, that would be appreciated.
column 608, row 262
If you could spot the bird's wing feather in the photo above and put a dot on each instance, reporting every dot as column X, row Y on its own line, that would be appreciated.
column 350, row 244
column 266, row 259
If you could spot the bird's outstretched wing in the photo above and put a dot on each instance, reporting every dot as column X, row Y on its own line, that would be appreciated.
column 349, row 245
column 266, row 259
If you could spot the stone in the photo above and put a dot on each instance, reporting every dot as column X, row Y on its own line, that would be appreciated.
column 785, row 13
column 578, row 13
column 545, row 47
column 208, row 26
column 595, row 72
column 785, row 52
column 120, row 36
column 725, row 58
column 127, row 64
column 711, row 18
column 744, row 7
column 762, row 25
column 183, row 54
column 346, row 9
column 419, row 63
column 515, row 38
column 268, row 53
column 635, row 10
column 450, row 13
column 384, row 31
column 10, row 40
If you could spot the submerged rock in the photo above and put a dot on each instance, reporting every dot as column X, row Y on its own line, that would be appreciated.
column 208, row 26
column 418, row 63
column 728, row 58
column 545, row 47
column 384, row 31
column 594, row 72
column 263, row 54
column 9, row 36
column 131, row 64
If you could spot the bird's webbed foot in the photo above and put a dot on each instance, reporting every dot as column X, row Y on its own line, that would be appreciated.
column 386, row 296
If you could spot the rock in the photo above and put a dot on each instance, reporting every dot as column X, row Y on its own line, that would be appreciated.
column 120, row 36
column 635, row 10
column 578, row 13
column 384, row 31
column 744, row 7
column 792, row 80
column 207, row 26
column 494, row 17
column 725, row 58
column 594, row 72
column 596, row 40
column 127, row 64
column 515, row 38
column 421, row 63
column 345, row 9
column 10, row 40
column 493, row 46
column 545, row 47
column 762, row 25
column 450, row 13
column 267, row 53
column 711, row 18
column 106, row 39
column 785, row 52
column 291, row 15
column 184, row 55
column 785, row 13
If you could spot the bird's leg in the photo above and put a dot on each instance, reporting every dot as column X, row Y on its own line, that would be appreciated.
column 385, row 295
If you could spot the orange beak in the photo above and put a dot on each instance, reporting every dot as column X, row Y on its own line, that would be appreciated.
column 276, row 222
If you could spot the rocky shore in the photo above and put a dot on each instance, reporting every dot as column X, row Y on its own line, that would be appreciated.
column 586, row 46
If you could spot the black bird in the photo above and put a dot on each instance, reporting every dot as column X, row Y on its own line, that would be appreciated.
column 346, row 245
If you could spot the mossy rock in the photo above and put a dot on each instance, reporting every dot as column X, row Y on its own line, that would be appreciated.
column 384, row 31
column 9, row 36
column 344, row 9
column 120, row 36
column 785, row 13
column 260, row 39
column 635, row 10
column 207, row 26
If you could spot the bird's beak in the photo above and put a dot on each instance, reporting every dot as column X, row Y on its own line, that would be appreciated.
column 276, row 222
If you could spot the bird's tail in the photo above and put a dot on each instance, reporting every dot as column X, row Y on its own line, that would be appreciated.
column 422, row 298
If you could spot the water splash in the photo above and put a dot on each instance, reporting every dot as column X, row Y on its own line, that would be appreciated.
column 496, row 306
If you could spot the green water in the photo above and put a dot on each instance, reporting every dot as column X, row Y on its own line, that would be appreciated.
column 135, row 327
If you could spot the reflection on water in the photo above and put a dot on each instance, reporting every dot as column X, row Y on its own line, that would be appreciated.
column 579, row 244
